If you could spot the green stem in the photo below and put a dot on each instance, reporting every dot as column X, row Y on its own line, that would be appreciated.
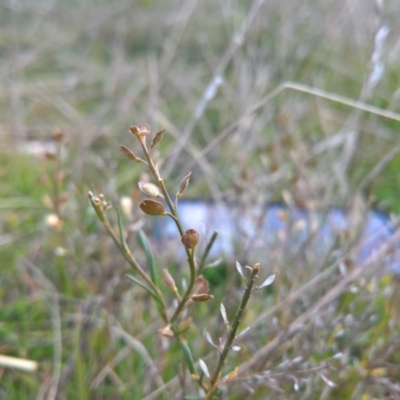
column 207, row 251
column 130, row 258
column 190, row 254
column 233, row 330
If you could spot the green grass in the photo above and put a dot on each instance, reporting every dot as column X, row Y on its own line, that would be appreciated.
column 92, row 69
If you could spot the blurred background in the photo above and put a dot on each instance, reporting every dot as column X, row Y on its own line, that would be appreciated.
column 265, row 101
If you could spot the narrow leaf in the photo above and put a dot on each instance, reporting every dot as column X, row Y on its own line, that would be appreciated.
column 243, row 332
column 149, row 255
column 204, row 368
column 239, row 269
column 223, row 313
column 143, row 285
column 146, row 288
column 214, row 264
column 121, row 230
column 188, row 357
column 209, row 339
column 267, row 282
column 327, row 381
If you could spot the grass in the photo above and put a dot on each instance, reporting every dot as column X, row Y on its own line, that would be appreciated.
column 91, row 70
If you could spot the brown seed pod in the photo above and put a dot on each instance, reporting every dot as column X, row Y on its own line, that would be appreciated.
column 190, row 238
column 152, row 207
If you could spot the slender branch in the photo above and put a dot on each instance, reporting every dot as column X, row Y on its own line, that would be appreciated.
column 232, row 333
column 190, row 253
column 127, row 254
column 207, row 250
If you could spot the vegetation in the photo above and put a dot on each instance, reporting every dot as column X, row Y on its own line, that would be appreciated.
column 266, row 101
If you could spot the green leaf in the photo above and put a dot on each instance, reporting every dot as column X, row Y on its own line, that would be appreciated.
column 147, row 289
column 188, row 357
column 149, row 255
column 121, row 230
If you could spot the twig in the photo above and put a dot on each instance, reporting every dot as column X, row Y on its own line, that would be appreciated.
column 297, row 325
column 232, row 333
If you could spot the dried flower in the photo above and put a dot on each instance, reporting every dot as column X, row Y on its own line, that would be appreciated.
column 140, row 131
column 144, row 129
column 190, row 238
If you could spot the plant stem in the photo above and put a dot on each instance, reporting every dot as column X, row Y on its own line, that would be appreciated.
column 232, row 333
column 207, row 251
column 190, row 253
column 130, row 258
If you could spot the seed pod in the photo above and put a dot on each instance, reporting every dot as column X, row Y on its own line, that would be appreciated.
column 184, row 184
column 157, row 138
column 201, row 297
column 201, row 285
column 152, row 207
column 150, row 189
column 128, row 153
column 190, row 238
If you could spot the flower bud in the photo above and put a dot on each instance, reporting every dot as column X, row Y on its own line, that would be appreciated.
column 169, row 280
column 152, row 207
column 166, row 331
column 190, row 238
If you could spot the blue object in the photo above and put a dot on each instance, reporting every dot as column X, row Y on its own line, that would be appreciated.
column 280, row 227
